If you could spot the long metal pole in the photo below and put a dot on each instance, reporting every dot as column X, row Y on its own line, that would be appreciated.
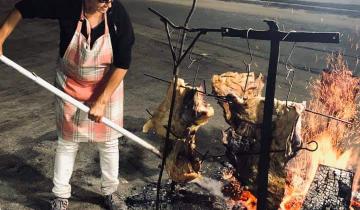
column 78, row 104
column 266, row 131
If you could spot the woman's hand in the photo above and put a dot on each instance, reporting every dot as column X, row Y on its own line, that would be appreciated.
column 97, row 107
column 97, row 111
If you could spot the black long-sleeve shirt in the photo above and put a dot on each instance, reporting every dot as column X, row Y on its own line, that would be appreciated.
column 68, row 13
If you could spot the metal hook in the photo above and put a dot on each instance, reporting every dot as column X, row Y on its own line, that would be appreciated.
column 249, row 48
column 178, row 41
column 290, row 85
column 202, row 56
column 308, row 149
column 288, row 63
column 171, row 32
column 192, row 60
column 196, row 74
column 290, row 70
column 292, row 31
column 248, row 65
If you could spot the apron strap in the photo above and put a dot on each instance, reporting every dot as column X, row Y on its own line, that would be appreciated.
column 88, row 26
column 106, row 24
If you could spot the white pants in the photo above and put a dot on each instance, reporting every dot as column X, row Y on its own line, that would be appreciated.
column 64, row 164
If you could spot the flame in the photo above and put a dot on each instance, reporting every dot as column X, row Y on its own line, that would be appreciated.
column 238, row 196
column 334, row 94
column 355, row 203
column 249, row 201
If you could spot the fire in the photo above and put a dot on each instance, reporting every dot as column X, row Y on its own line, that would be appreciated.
column 335, row 94
column 239, row 197
column 355, row 204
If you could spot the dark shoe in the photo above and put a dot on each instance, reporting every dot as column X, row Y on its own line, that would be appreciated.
column 59, row 204
column 114, row 202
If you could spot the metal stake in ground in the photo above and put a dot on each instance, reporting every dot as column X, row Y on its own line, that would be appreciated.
column 177, row 61
column 78, row 104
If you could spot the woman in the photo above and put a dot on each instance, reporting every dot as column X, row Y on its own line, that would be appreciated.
column 96, row 38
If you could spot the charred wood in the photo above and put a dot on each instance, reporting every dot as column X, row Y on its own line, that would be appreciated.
column 331, row 189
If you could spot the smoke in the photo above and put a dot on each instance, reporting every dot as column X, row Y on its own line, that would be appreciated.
column 211, row 185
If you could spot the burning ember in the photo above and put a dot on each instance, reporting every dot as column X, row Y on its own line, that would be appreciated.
column 356, row 201
column 335, row 94
column 240, row 198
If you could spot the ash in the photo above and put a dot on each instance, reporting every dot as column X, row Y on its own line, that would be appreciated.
column 189, row 197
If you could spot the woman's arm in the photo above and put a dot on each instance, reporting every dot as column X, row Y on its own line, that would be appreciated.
column 122, row 41
column 8, row 26
column 97, row 108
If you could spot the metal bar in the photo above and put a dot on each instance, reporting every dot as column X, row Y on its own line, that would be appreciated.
column 328, row 116
column 170, row 44
column 78, row 104
column 266, row 131
column 322, row 37
column 166, row 20
column 157, row 78
column 220, row 98
column 206, row 30
column 191, row 12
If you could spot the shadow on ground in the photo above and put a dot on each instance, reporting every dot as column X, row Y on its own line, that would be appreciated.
column 24, row 183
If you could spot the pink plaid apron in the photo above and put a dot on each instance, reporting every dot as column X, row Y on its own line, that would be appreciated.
column 82, row 74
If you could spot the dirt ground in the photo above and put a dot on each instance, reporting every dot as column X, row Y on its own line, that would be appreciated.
column 27, row 126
